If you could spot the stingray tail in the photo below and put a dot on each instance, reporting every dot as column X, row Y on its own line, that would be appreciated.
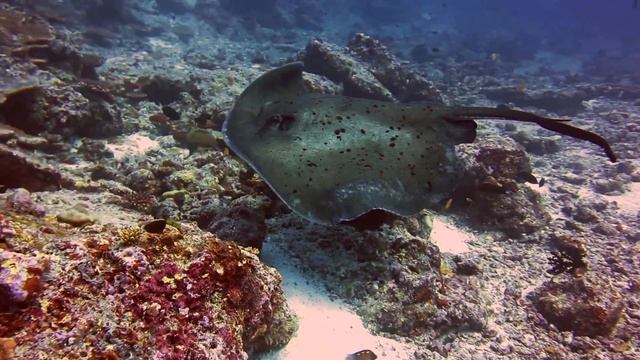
column 557, row 125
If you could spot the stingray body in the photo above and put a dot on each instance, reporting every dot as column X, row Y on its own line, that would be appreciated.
column 332, row 158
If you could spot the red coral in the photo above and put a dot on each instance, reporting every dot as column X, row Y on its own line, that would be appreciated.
column 172, row 298
column 178, row 344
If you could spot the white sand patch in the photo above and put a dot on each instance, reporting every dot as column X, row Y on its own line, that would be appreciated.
column 629, row 201
column 328, row 329
column 449, row 238
column 542, row 190
column 135, row 144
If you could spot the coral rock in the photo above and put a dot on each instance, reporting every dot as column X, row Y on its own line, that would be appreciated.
column 20, row 201
column 405, row 84
column 22, row 169
column 493, row 170
column 341, row 67
column 586, row 306
column 565, row 102
column 242, row 225
column 20, row 278
column 133, row 259
column 63, row 110
column 141, row 180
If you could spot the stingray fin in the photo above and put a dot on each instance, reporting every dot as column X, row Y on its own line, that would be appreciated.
column 560, row 126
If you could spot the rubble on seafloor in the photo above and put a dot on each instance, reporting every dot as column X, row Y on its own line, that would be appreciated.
column 103, row 135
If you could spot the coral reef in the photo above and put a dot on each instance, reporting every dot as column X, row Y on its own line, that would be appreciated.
column 22, row 34
column 242, row 225
column 176, row 294
column 395, row 280
column 62, row 110
column 31, row 37
column 20, row 278
column 496, row 197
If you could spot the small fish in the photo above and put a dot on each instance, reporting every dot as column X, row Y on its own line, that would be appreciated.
column 159, row 118
column 527, row 176
column 171, row 113
column 541, row 182
column 494, row 57
column 155, row 226
column 435, row 49
column 491, row 185
column 522, row 86
column 362, row 355
column 447, row 205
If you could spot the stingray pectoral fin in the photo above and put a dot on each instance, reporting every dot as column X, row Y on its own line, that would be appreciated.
column 557, row 125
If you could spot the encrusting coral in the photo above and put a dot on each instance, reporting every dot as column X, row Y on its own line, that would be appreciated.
column 103, row 291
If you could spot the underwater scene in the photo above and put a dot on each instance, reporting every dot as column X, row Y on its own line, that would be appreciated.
column 319, row 179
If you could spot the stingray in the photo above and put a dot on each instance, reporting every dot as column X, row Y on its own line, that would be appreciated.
column 332, row 158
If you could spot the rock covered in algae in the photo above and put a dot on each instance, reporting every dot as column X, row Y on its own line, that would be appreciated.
column 76, row 215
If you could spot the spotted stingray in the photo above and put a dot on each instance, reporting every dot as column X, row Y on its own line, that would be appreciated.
column 332, row 158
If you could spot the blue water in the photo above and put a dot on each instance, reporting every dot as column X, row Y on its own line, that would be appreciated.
column 589, row 25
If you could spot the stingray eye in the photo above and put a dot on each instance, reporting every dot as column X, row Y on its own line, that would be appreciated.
column 282, row 122
column 286, row 122
column 274, row 120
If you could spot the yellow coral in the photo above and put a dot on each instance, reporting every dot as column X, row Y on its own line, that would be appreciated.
column 185, row 176
column 131, row 234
